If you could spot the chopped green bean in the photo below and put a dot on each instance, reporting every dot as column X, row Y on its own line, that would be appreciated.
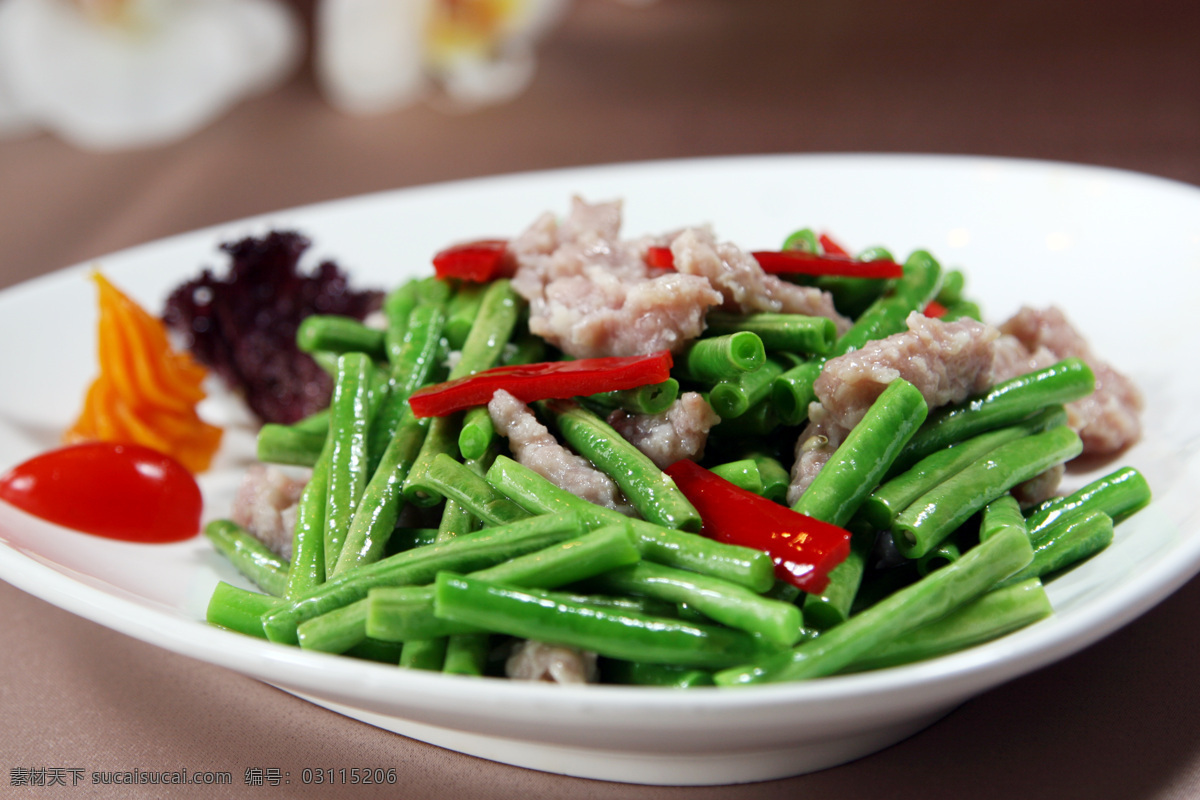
column 648, row 488
column 625, row 635
column 938, row 512
column 721, row 357
column 790, row 333
column 930, row 598
column 474, row 551
column 249, row 555
column 673, row 548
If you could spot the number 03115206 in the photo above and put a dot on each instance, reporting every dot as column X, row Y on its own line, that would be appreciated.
column 348, row 775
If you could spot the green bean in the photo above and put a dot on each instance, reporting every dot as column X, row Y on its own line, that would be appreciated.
column 348, row 452
column 999, row 612
column 379, row 507
column 237, row 609
column 867, row 453
column 757, row 422
column 466, row 654
column 932, row 516
column 474, row 551
column 461, row 311
column 498, row 314
column 930, row 598
column 288, row 444
column 1005, row 403
column 339, row 334
column 774, row 476
column 804, row 240
column 832, row 605
column 720, row 357
column 719, row 600
column 625, row 635
column 639, row 673
column 1118, row 494
column 887, row 501
column 648, row 488
column 397, row 305
column 742, row 565
column 791, row 333
column 1066, row 542
column 735, row 396
column 249, row 555
column 413, row 364
column 308, row 533
column 406, row 612
column 888, row 314
column 963, row 309
column 476, row 433
column 946, row 552
column 457, row 482
column 653, row 398
column 407, row 538
column 316, row 422
column 953, row 283
column 742, row 473
column 426, row 654
column 335, row 631
column 1003, row 512
column 793, row 391
column 525, row 348
column 374, row 650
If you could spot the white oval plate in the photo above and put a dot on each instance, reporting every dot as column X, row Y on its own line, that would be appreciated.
column 1119, row 251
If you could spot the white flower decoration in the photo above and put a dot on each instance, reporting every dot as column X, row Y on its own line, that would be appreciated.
column 111, row 74
column 378, row 55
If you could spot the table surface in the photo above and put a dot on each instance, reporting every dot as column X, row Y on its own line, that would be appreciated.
column 1096, row 82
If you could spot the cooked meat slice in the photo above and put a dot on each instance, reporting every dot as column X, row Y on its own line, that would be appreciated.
column 535, row 447
column 1109, row 419
column 679, row 432
column 538, row 661
column 265, row 505
column 743, row 285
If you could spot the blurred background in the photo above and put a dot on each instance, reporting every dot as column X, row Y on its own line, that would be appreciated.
column 1110, row 83
column 311, row 100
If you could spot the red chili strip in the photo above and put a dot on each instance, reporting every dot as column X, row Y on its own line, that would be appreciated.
column 545, row 381
column 660, row 257
column 804, row 549
column 831, row 247
column 797, row 262
column 934, row 309
column 478, row 262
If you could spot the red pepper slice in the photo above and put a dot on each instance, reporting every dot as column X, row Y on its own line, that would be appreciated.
column 831, row 247
column 803, row 548
column 544, row 381
column 478, row 262
column 660, row 257
column 934, row 309
column 798, row 262
column 119, row 491
column 802, row 263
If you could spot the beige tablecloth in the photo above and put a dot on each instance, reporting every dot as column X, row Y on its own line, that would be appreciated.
column 1108, row 83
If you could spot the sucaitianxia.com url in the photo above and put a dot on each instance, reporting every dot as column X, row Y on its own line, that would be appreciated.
column 77, row 776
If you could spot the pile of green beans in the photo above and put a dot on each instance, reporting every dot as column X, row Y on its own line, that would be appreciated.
column 422, row 543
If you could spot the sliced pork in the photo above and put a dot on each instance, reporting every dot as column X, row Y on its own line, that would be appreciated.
column 533, row 446
column 265, row 505
column 679, row 432
column 537, row 661
column 591, row 294
column 1109, row 419
column 743, row 285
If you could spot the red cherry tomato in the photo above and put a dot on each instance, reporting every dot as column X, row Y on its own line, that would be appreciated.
column 120, row 491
